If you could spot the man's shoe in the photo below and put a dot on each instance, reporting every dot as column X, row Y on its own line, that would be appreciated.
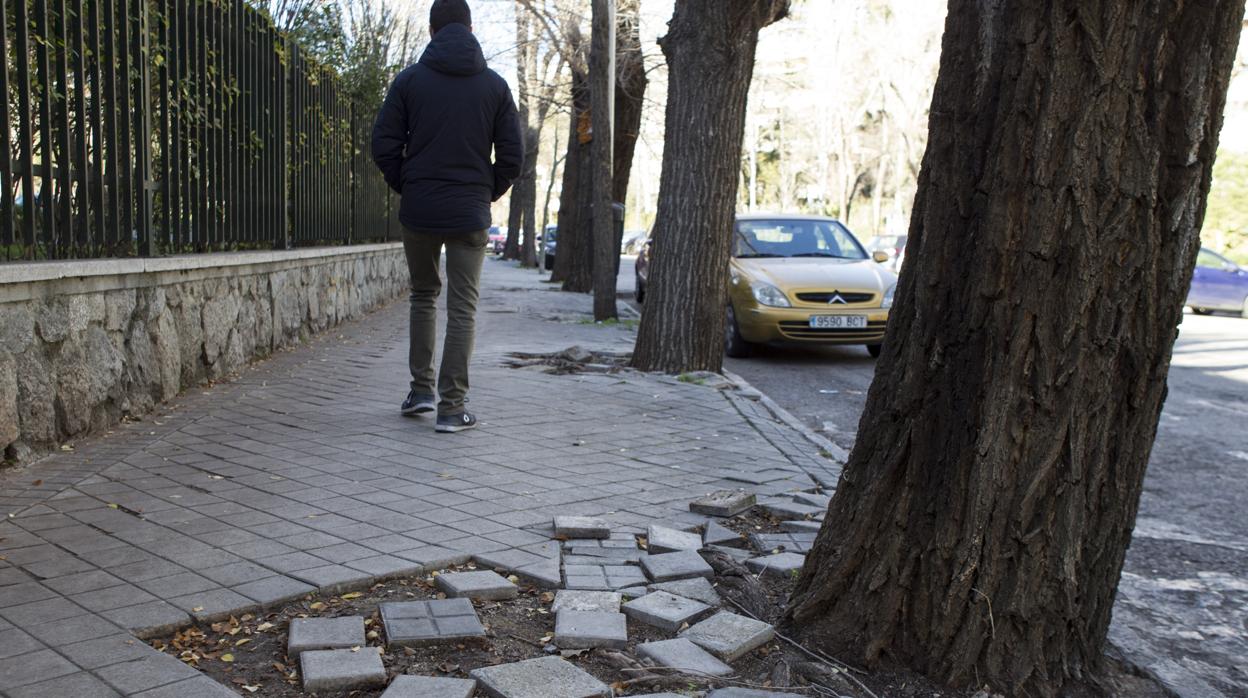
column 418, row 404
column 451, row 423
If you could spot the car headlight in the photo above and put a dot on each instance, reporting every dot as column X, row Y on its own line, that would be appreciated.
column 770, row 295
column 888, row 297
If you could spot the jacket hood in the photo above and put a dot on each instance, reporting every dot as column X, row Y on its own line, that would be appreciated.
column 454, row 51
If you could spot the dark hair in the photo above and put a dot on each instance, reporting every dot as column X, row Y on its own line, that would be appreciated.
column 446, row 12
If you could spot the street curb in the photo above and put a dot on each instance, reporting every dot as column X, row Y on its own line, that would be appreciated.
column 834, row 453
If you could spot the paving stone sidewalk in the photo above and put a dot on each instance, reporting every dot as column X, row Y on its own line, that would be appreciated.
column 302, row 475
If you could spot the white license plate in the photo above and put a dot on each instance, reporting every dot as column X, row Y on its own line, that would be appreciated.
column 843, row 322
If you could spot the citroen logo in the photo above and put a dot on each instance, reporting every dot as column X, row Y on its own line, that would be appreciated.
column 836, row 298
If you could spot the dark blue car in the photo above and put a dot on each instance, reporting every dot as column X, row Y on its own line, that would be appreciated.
column 1218, row 284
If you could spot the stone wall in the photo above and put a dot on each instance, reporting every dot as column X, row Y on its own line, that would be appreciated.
column 84, row 343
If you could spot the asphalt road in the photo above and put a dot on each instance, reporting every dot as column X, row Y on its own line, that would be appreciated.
column 1182, row 609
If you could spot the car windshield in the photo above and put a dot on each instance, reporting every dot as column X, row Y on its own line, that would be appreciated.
column 795, row 238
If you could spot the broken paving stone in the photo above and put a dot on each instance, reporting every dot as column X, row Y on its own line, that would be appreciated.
column 545, row 677
column 715, row 534
column 430, row 687
column 576, row 630
column 581, row 527
column 603, row 577
column 729, row 636
column 488, row 586
column 584, row 600
column 339, row 671
column 415, row 623
column 683, row 655
column 796, row 526
column 661, row 539
column 678, row 565
column 666, row 611
column 324, row 634
column 723, row 503
column 738, row 554
column 778, row 566
column 697, row 589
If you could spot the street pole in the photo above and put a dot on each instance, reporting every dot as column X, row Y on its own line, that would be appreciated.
column 602, row 114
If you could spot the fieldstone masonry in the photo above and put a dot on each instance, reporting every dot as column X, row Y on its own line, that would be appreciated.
column 84, row 343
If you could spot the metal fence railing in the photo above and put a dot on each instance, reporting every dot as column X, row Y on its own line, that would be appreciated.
column 147, row 127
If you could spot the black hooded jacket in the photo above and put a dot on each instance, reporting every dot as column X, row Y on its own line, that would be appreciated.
column 433, row 136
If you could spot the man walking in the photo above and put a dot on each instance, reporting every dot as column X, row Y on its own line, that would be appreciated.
column 432, row 142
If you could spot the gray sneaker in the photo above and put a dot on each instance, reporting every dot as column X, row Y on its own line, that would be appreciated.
column 419, row 404
column 451, row 423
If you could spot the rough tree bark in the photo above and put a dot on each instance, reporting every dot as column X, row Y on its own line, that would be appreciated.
column 571, row 257
column 978, row 532
column 630, row 91
column 526, row 52
column 710, row 55
column 602, row 111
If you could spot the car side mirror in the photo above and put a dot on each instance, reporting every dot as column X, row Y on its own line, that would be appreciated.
column 880, row 256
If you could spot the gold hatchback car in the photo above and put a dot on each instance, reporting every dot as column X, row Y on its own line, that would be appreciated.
column 804, row 279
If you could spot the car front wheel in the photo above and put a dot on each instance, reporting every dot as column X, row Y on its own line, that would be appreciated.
column 874, row 350
column 1243, row 311
column 735, row 345
column 1201, row 311
column 640, row 293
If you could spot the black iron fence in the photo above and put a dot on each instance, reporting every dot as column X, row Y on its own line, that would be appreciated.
column 147, row 127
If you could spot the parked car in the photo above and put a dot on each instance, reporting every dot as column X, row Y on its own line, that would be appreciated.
column 632, row 241
column 1218, row 284
column 549, row 241
column 799, row 279
column 498, row 239
column 892, row 245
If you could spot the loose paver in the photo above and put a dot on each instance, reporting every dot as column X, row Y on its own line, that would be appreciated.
column 779, row 566
column 787, row 542
column 814, row 500
column 717, row 534
column 698, row 589
column 682, row 654
column 324, row 634
column 430, row 687
column 682, row 564
column 415, row 623
column 581, row 527
column 728, row 635
column 738, row 554
column 545, row 677
column 666, row 611
column 786, row 510
column 485, row 585
column 661, row 539
column 723, row 503
column 585, row 600
column 603, row 577
column 576, row 630
column 796, row 526
column 738, row 692
column 341, row 670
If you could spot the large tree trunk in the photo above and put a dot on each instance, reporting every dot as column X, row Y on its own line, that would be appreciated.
column 630, row 92
column 528, row 198
column 710, row 54
column 602, row 97
column 572, row 261
column 978, row 532
column 517, row 203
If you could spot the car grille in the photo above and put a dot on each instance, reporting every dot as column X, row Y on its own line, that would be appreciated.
column 825, row 296
column 797, row 329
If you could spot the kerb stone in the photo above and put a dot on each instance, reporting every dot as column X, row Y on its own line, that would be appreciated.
column 729, row 636
column 576, row 630
column 324, row 634
column 545, row 677
column 723, row 503
column 683, row 655
column 341, row 670
column 430, row 687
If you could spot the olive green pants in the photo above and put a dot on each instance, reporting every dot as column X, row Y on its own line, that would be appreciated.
column 465, row 253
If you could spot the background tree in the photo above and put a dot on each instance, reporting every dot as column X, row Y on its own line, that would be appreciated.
column 710, row 55
column 978, row 531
